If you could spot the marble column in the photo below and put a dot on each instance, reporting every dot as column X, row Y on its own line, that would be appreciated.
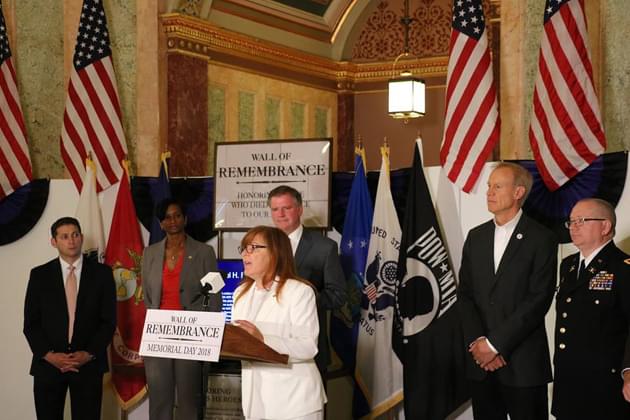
column 345, row 131
column 187, row 101
column 150, row 100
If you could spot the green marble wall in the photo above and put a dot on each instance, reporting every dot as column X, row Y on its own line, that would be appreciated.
column 39, row 64
column 245, row 115
column 272, row 116
column 616, row 79
column 121, row 21
column 39, row 61
column 296, row 120
column 216, row 121
column 321, row 122
column 531, row 47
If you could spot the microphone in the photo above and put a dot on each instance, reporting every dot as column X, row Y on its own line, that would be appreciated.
column 212, row 283
column 206, row 289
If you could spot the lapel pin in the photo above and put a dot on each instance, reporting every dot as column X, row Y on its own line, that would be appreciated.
column 190, row 257
column 572, row 268
column 519, row 236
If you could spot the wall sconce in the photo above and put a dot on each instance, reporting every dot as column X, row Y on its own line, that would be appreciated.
column 406, row 93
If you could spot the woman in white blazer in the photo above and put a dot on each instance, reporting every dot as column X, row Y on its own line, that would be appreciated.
column 278, row 308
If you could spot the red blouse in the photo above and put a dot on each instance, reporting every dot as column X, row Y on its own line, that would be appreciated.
column 170, row 285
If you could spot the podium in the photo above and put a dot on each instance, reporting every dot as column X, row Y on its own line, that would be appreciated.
column 222, row 381
column 238, row 344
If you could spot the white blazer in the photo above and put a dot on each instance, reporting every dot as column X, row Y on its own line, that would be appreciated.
column 289, row 326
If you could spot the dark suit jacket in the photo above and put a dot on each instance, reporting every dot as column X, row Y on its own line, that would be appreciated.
column 46, row 316
column 592, row 341
column 199, row 260
column 317, row 260
column 509, row 307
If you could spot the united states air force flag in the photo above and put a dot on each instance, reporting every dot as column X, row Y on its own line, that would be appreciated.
column 353, row 248
column 427, row 334
column 378, row 370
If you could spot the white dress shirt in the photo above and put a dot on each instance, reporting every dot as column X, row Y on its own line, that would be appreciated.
column 295, row 237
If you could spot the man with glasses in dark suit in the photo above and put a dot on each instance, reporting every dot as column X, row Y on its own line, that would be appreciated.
column 592, row 346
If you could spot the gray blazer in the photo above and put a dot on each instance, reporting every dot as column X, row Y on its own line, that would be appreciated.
column 317, row 260
column 199, row 259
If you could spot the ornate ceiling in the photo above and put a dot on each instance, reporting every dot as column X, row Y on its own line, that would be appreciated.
column 356, row 40
column 320, row 27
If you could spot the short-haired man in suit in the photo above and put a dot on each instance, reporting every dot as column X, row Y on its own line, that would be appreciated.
column 316, row 260
column 69, row 320
column 507, row 281
column 592, row 341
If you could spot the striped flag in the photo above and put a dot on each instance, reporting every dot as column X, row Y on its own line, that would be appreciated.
column 565, row 131
column 471, row 124
column 15, row 163
column 92, row 118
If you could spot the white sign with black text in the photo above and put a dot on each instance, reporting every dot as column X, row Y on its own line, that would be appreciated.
column 245, row 172
column 191, row 335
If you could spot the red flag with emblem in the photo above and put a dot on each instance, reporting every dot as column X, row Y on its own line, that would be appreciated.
column 124, row 255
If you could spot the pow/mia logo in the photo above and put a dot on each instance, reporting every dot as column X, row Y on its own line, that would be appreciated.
column 427, row 291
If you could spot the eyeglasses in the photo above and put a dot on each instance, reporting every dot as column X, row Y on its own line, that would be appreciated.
column 580, row 221
column 250, row 248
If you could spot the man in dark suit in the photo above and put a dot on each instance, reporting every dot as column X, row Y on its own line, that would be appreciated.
column 592, row 346
column 507, row 281
column 69, row 320
column 316, row 260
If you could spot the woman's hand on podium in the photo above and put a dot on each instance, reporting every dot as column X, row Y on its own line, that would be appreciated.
column 250, row 328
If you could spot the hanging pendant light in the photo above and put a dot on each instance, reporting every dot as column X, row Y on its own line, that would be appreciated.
column 406, row 93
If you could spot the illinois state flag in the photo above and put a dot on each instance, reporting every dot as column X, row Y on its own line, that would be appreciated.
column 378, row 370
column 124, row 255
column 427, row 333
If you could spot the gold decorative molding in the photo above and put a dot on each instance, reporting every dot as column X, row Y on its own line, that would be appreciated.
column 190, row 35
column 187, row 47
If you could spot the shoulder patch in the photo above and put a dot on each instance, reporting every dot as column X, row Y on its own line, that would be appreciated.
column 627, row 261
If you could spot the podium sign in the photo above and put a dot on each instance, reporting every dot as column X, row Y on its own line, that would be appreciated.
column 188, row 335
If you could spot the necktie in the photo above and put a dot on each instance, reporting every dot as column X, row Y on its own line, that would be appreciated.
column 582, row 271
column 71, row 299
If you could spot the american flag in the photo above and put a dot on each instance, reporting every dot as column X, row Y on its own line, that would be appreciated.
column 92, row 119
column 471, row 124
column 15, row 163
column 371, row 291
column 565, row 132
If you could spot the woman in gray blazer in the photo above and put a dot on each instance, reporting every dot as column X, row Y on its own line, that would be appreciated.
column 171, row 270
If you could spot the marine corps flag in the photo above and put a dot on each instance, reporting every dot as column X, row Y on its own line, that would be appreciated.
column 124, row 255
column 427, row 336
